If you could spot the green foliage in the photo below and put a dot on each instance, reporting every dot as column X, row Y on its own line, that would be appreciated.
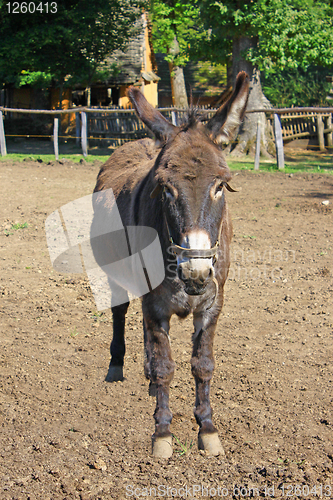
column 68, row 45
column 178, row 19
column 297, row 87
column 293, row 34
column 210, row 75
column 37, row 79
column 287, row 33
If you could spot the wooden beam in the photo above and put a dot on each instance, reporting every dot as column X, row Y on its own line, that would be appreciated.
column 278, row 142
column 329, row 131
column 77, row 128
column 257, row 155
column 3, row 148
column 283, row 111
column 84, row 140
column 320, row 132
column 55, row 138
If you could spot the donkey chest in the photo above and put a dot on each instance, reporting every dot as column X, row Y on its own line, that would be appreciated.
column 169, row 299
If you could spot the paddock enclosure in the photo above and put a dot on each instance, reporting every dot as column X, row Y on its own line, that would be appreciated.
column 68, row 434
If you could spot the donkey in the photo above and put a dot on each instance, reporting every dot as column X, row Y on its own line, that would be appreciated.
column 176, row 185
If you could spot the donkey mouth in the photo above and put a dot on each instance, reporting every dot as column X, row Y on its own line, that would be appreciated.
column 194, row 289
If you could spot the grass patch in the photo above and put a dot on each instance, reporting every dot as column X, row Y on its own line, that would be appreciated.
column 302, row 162
column 15, row 227
column 295, row 162
column 184, row 448
column 75, row 158
column 19, row 226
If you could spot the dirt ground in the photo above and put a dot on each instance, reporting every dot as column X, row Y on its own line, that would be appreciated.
column 68, row 434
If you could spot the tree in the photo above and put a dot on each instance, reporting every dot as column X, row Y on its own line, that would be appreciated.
column 298, row 87
column 269, row 35
column 176, row 25
column 67, row 41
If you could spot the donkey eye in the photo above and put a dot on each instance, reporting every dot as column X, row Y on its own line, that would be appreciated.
column 170, row 192
column 218, row 190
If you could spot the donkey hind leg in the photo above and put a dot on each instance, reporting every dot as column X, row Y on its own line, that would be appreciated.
column 202, row 363
column 159, row 369
column 117, row 348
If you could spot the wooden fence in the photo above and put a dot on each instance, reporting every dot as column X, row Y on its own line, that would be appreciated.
column 118, row 125
column 311, row 124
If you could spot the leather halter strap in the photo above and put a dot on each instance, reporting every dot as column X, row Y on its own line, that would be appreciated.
column 194, row 253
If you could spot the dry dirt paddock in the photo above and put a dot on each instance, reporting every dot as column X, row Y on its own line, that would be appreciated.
column 67, row 434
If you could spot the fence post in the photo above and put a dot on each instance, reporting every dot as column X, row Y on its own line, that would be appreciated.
column 55, row 138
column 3, row 148
column 329, row 133
column 84, row 141
column 174, row 118
column 278, row 141
column 320, row 132
column 257, row 156
column 77, row 128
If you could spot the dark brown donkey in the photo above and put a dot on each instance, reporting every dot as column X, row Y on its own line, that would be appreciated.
column 176, row 185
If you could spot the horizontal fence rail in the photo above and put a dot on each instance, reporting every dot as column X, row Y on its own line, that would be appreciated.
column 119, row 125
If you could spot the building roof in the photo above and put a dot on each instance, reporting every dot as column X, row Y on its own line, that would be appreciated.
column 129, row 63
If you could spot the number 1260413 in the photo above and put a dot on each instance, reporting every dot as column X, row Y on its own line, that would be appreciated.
column 32, row 7
column 302, row 490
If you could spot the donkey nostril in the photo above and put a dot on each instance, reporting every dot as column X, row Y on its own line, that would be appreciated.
column 208, row 275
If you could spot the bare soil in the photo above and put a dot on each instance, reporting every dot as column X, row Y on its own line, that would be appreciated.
column 68, row 434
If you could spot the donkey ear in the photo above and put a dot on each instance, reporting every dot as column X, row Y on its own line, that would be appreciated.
column 155, row 121
column 229, row 116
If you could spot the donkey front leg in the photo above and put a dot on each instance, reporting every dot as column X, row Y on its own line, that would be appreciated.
column 159, row 369
column 202, row 363
column 117, row 348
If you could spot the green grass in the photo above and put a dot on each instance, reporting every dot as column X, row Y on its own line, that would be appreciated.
column 302, row 161
column 20, row 226
column 47, row 158
column 16, row 227
column 184, row 448
column 305, row 162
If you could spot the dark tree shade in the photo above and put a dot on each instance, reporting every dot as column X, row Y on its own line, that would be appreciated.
column 70, row 43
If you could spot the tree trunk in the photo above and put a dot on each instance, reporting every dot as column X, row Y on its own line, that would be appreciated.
column 246, row 140
column 61, row 95
column 178, row 89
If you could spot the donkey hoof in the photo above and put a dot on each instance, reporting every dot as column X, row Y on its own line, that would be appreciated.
column 162, row 447
column 152, row 389
column 114, row 374
column 211, row 444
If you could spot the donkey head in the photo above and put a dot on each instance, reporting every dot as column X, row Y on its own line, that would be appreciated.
column 189, row 175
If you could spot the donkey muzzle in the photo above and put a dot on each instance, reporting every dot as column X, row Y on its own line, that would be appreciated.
column 196, row 274
column 195, row 261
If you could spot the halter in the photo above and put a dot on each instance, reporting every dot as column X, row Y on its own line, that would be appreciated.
column 194, row 253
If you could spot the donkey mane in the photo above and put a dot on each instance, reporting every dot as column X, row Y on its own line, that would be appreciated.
column 193, row 116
